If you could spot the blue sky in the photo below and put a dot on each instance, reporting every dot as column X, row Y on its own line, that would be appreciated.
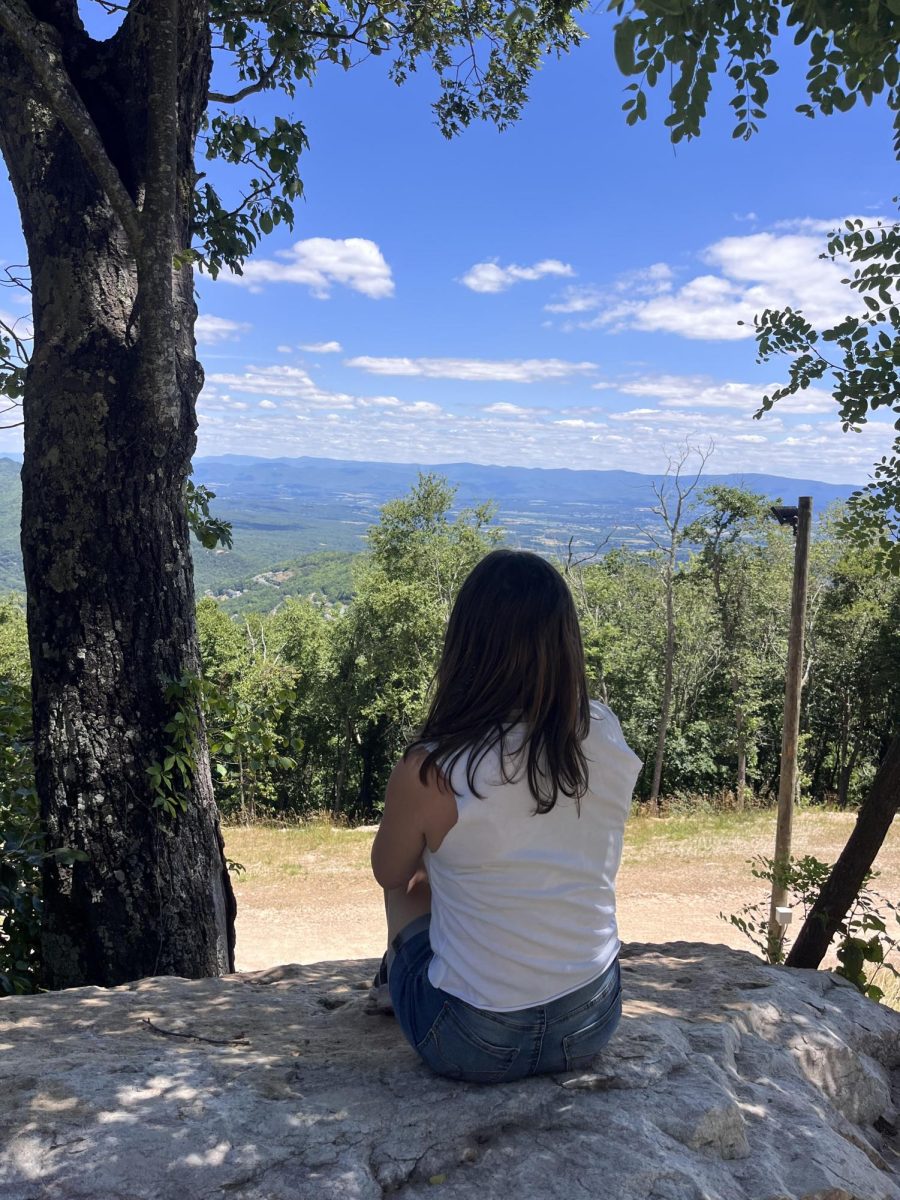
column 564, row 294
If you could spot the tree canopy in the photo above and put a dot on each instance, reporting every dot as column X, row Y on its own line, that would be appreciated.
column 483, row 53
column 851, row 51
column 101, row 139
column 104, row 138
column 852, row 55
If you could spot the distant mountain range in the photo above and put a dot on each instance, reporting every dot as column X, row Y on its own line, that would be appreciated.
column 295, row 517
column 323, row 479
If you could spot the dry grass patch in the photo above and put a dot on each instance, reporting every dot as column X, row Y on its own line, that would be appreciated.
column 308, row 894
column 274, row 853
column 713, row 842
column 816, row 832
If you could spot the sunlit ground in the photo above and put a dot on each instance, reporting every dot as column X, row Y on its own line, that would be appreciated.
column 307, row 893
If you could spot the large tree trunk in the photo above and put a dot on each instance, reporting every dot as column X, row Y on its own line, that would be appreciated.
column 109, row 435
column 843, row 884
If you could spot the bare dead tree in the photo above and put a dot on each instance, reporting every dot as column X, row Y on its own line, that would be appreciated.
column 569, row 563
column 572, row 568
column 673, row 492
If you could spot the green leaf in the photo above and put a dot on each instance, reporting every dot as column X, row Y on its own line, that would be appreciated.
column 624, row 44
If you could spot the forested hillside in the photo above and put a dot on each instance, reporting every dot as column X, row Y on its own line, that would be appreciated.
column 298, row 522
column 313, row 707
column 309, row 706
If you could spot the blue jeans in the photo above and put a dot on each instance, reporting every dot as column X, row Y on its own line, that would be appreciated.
column 459, row 1041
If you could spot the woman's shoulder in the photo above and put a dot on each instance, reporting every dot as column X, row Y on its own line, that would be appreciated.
column 408, row 773
column 603, row 716
column 606, row 729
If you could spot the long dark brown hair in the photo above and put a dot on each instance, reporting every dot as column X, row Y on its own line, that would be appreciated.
column 512, row 657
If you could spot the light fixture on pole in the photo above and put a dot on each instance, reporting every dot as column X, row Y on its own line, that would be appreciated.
column 800, row 520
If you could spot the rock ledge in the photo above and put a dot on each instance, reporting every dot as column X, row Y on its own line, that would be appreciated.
column 727, row 1080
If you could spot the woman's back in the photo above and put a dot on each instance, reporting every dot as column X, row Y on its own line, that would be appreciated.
column 503, row 958
column 523, row 907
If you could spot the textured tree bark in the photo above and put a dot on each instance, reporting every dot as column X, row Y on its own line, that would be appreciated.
column 843, row 884
column 109, row 435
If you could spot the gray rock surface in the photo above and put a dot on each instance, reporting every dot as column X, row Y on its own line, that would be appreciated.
column 727, row 1080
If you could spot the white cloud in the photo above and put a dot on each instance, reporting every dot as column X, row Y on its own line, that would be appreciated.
column 747, row 274
column 210, row 330
column 667, row 425
column 319, row 263
column 825, row 226
column 322, row 348
column 501, row 408
column 527, row 370
column 302, row 417
column 635, row 414
column 289, row 383
column 378, row 401
column 649, row 281
column 705, row 308
column 699, row 391
column 583, row 298
column 285, row 349
column 297, row 390
column 424, row 435
column 492, row 277
column 422, row 408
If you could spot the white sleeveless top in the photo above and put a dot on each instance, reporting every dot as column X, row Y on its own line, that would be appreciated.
column 523, row 903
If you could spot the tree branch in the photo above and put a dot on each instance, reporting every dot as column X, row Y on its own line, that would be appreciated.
column 10, row 332
column 15, row 424
column 260, row 85
column 45, row 60
column 110, row 7
column 570, row 563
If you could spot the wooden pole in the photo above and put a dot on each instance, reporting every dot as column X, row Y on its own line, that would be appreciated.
column 791, row 728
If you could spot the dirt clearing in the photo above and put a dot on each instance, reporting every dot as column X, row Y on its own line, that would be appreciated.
column 308, row 894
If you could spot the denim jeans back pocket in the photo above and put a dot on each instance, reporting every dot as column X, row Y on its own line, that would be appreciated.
column 583, row 1045
column 457, row 1047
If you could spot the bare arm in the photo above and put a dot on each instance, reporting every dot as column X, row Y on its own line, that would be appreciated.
column 416, row 814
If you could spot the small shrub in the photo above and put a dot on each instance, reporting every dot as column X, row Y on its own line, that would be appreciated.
column 864, row 940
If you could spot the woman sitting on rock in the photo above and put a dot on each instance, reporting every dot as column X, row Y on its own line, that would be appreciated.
column 501, row 838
